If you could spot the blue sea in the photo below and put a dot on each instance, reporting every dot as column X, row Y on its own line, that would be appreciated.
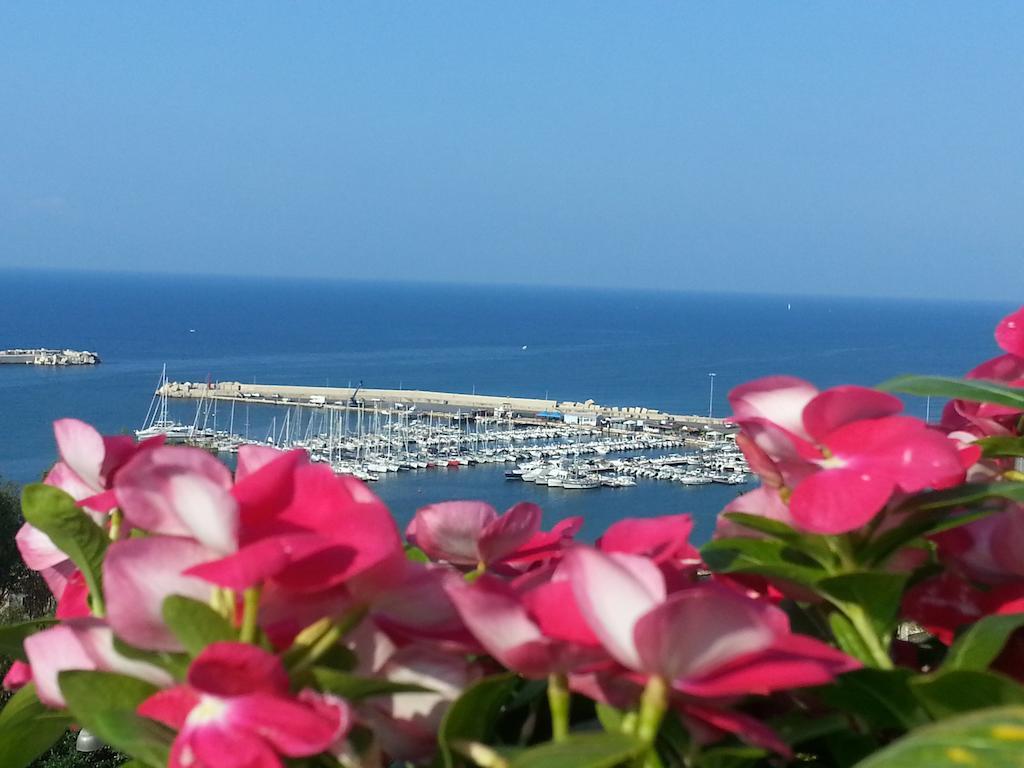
column 653, row 349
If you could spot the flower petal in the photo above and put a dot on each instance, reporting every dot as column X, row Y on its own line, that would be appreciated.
column 450, row 530
column 613, row 592
column 778, row 399
column 228, row 669
column 138, row 574
column 1010, row 333
column 839, row 500
column 81, row 449
column 503, row 536
column 86, row 644
column 730, row 625
column 838, row 406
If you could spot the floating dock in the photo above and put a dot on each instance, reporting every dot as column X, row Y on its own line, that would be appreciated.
column 54, row 357
column 587, row 413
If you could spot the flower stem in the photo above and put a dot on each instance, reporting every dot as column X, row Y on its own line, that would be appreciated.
column 653, row 703
column 873, row 643
column 115, row 524
column 250, row 614
column 558, row 701
column 348, row 621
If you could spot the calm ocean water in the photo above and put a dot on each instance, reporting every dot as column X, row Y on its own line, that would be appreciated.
column 619, row 348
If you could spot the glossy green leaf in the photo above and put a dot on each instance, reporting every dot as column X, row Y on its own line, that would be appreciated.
column 28, row 728
column 881, row 697
column 966, row 494
column 962, row 690
column 105, row 703
column 974, row 390
column 72, row 531
column 472, row 716
column 770, row 558
column 877, row 594
column 979, row 646
column 580, row 750
column 989, row 738
column 810, row 544
column 196, row 624
column 13, row 636
column 848, row 639
column 1001, row 445
column 354, row 688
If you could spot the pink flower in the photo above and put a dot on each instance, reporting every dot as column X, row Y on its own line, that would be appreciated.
column 236, row 711
column 706, row 641
column 535, row 632
column 664, row 540
column 89, row 462
column 1010, row 333
column 406, row 724
column 472, row 532
column 81, row 644
column 846, row 455
column 180, row 491
column 138, row 574
column 302, row 526
column 19, row 675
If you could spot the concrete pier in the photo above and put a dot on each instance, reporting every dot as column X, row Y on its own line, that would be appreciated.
column 442, row 402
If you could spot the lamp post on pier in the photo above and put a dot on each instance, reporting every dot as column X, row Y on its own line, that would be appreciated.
column 711, row 397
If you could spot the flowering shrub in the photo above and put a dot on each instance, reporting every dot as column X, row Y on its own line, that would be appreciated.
column 864, row 605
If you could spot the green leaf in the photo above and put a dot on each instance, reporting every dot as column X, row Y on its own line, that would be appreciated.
column 13, row 636
column 961, row 690
column 881, row 697
column 28, row 728
column 975, row 390
column 581, row 750
column 877, row 594
column 609, row 717
column 72, row 531
column 848, row 639
column 990, row 738
column 979, row 646
column 105, row 703
column 1001, row 445
column 175, row 664
column 730, row 757
column 966, row 494
column 918, row 523
column 415, row 554
column 195, row 624
column 810, row 544
column 766, row 557
column 354, row 688
column 472, row 716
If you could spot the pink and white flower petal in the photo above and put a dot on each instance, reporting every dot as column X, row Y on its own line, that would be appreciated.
column 227, row 669
column 80, row 644
column 778, row 399
column 613, row 591
column 291, row 727
column 81, row 449
column 668, row 643
column 450, row 530
column 180, row 491
column 138, row 574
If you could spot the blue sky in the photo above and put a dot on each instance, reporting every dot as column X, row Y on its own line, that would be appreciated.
column 857, row 148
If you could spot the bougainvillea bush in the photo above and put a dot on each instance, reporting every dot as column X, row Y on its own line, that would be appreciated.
column 863, row 606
